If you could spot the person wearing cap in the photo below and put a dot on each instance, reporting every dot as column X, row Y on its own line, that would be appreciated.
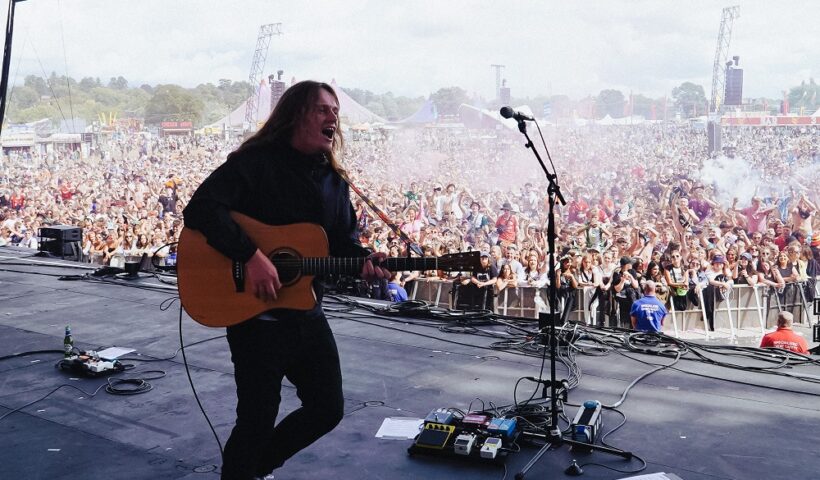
column 625, row 285
column 507, row 226
column 648, row 313
column 479, row 222
column 784, row 337
column 476, row 291
column 718, row 288
column 743, row 272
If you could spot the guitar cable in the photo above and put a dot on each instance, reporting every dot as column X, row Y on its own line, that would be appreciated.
column 188, row 372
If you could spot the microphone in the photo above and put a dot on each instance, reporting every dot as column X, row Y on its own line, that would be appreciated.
column 508, row 112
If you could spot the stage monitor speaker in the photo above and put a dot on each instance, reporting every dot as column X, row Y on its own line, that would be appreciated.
column 714, row 132
column 62, row 241
column 734, row 87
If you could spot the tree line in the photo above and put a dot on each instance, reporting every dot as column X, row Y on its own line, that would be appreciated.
column 62, row 97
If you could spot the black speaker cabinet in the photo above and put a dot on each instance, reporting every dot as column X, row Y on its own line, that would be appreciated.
column 734, row 87
column 62, row 241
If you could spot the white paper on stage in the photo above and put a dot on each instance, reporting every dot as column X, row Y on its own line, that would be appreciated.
column 399, row 428
column 112, row 353
column 654, row 476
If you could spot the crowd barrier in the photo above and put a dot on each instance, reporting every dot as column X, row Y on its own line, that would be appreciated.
column 746, row 307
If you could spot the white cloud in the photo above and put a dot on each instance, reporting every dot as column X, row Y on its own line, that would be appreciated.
column 415, row 47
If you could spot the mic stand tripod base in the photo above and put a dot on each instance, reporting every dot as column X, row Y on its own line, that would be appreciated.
column 554, row 438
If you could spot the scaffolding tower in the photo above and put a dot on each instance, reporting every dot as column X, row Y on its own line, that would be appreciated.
column 258, row 64
column 721, row 55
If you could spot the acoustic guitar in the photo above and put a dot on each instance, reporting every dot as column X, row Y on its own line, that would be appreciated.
column 212, row 286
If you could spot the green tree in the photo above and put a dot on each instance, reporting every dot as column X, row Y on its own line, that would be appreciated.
column 609, row 102
column 87, row 83
column 172, row 102
column 23, row 97
column 689, row 99
column 642, row 105
column 118, row 83
column 38, row 84
column 448, row 100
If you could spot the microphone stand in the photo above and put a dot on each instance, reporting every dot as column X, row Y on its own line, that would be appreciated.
column 554, row 437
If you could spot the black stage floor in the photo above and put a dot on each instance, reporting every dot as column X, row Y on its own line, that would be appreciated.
column 692, row 421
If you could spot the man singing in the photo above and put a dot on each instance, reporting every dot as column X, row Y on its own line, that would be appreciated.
column 286, row 173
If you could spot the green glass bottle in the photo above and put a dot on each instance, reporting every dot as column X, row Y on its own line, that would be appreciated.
column 68, row 343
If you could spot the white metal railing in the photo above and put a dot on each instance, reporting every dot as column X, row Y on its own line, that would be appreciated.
column 746, row 305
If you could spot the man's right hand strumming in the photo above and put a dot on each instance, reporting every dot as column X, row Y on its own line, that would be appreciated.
column 262, row 276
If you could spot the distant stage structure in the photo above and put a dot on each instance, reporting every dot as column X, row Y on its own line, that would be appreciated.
column 258, row 64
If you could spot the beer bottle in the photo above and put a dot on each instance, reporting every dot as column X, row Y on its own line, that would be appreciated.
column 68, row 343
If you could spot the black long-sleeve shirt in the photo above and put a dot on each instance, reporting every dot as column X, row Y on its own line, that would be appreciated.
column 276, row 186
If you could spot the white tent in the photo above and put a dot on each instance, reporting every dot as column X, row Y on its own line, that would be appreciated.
column 351, row 112
column 236, row 118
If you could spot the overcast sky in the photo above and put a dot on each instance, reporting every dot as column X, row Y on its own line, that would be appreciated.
column 415, row 47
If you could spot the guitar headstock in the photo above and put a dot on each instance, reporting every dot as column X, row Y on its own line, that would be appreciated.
column 466, row 261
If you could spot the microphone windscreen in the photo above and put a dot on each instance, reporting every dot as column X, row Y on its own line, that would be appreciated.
column 507, row 112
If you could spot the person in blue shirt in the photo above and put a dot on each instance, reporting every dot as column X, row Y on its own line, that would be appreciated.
column 397, row 292
column 648, row 312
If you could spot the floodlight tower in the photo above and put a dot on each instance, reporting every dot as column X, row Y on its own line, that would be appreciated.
column 721, row 56
column 258, row 64
column 497, row 80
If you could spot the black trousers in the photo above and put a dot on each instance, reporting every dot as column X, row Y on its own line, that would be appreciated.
column 709, row 304
column 624, row 307
column 263, row 353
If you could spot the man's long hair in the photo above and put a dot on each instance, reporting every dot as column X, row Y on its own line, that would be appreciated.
column 296, row 102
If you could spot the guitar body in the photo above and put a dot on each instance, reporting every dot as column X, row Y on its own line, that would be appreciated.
column 206, row 282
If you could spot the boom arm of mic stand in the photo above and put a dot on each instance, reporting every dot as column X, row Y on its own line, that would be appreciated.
column 551, row 177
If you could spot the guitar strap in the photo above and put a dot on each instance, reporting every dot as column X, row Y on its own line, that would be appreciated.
column 412, row 246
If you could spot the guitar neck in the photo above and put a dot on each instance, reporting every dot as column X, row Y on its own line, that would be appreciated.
column 353, row 265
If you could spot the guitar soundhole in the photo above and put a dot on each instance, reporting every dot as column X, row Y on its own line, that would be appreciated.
column 289, row 265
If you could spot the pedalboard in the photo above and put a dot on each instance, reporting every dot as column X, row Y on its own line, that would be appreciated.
column 474, row 436
column 90, row 365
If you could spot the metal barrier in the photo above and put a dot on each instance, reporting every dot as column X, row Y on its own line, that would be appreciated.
column 746, row 306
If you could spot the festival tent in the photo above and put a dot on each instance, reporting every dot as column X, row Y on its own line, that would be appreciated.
column 816, row 114
column 351, row 112
column 474, row 117
column 426, row 114
column 633, row 120
column 236, row 118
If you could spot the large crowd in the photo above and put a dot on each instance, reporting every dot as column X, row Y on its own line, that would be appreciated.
column 643, row 202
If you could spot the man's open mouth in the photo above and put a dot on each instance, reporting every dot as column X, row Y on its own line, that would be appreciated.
column 328, row 132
